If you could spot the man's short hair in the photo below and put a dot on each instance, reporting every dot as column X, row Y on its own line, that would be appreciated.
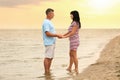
column 49, row 10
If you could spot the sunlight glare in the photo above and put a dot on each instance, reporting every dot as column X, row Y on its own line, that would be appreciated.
column 101, row 4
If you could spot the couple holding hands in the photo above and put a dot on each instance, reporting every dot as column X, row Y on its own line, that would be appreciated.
column 49, row 39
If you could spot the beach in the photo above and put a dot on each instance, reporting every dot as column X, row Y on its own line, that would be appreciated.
column 22, row 55
column 107, row 66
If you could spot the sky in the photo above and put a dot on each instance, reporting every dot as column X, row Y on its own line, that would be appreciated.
column 29, row 14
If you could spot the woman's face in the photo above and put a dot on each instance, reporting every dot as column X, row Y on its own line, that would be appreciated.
column 71, row 16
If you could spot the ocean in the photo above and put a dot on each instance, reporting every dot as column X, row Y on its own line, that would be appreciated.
column 22, row 53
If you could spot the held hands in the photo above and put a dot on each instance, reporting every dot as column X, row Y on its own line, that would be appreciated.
column 60, row 36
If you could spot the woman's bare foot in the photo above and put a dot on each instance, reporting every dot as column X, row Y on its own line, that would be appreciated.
column 68, row 69
column 76, row 70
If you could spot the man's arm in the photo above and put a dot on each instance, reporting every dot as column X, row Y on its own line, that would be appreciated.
column 49, row 34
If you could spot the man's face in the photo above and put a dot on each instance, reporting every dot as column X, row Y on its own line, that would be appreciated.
column 51, row 14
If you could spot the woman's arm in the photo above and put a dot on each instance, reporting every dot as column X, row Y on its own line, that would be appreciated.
column 71, row 33
column 66, row 33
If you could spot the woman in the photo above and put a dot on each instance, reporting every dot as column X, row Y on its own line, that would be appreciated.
column 73, row 34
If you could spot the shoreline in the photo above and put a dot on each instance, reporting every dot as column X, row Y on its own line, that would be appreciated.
column 107, row 67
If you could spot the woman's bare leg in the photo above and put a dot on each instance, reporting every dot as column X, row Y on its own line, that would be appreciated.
column 70, row 62
column 75, row 59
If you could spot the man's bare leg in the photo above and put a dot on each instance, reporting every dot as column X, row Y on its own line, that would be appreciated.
column 50, row 62
column 46, row 65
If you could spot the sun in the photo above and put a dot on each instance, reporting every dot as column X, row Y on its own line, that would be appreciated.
column 101, row 5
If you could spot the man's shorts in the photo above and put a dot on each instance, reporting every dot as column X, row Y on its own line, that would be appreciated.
column 49, row 51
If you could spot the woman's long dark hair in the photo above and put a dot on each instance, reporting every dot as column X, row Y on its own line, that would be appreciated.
column 76, row 17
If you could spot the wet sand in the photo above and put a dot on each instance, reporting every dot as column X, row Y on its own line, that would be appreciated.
column 107, row 66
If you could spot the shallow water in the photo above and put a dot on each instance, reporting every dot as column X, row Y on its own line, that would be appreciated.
column 22, row 53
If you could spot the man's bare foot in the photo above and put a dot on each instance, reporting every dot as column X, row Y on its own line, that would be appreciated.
column 47, row 73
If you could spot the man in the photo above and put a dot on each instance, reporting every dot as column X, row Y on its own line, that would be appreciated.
column 49, row 35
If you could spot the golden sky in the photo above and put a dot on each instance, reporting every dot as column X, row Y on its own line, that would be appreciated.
column 29, row 14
